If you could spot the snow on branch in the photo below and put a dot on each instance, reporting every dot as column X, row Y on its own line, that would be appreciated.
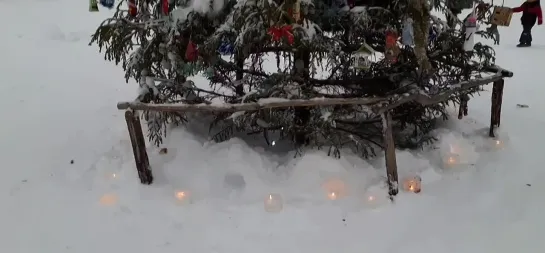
column 266, row 103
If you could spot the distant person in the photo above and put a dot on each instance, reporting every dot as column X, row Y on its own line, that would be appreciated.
column 531, row 12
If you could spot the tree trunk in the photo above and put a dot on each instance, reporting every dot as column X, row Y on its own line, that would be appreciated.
column 302, row 114
column 420, row 13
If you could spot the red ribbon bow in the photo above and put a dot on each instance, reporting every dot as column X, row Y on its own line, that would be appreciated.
column 285, row 31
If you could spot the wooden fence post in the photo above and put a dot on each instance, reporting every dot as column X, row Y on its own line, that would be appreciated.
column 138, row 147
column 390, row 154
column 495, row 110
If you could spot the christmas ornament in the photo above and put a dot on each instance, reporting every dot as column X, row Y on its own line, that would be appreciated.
column 363, row 57
column 296, row 13
column 392, row 49
column 407, row 34
column 133, row 10
column 107, row 3
column 191, row 52
column 501, row 16
column 285, row 31
column 470, row 27
column 226, row 48
column 93, row 6
column 164, row 6
column 432, row 36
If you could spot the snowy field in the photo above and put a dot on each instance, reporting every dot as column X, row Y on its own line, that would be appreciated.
column 70, row 185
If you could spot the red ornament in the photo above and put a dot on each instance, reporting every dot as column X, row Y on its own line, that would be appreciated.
column 277, row 33
column 392, row 49
column 391, row 39
column 164, row 5
column 132, row 8
column 191, row 52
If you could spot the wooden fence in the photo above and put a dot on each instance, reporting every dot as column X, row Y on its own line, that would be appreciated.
column 382, row 106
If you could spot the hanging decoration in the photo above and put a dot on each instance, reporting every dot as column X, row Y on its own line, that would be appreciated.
column 226, row 48
column 296, row 11
column 407, row 34
column 279, row 32
column 107, row 3
column 470, row 28
column 93, row 6
column 133, row 10
column 164, row 7
column 191, row 52
column 392, row 49
column 432, row 36
column 363, row 57
column 501, row 16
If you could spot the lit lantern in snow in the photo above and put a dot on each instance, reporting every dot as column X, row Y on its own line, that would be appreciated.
column 273, row 203
column 182, row 197
column 375, row 198
column 497, row 144
column 412, row 184
column 335, row 188
column 108, row 199
column 452, row 158
column 363, row 57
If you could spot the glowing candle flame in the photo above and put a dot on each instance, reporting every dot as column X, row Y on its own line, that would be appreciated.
column 273, row 203
column 181, row 195
column 412, row 184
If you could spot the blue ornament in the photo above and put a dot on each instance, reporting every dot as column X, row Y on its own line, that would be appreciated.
column 107, row 3
column 226, row 48
column 432, row 37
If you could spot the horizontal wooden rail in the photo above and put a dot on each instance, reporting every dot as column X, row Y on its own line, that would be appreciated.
column 378, row 105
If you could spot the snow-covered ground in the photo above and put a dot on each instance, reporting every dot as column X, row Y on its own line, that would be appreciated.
column 58, row 100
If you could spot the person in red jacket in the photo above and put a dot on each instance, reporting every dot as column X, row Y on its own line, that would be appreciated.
column 531, row 12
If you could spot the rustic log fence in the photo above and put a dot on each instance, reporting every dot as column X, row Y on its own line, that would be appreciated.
column 381, row 106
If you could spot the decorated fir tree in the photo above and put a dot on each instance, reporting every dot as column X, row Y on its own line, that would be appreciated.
column 276, row 50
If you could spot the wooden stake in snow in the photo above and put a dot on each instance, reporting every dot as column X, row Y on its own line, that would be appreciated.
column 138, row 147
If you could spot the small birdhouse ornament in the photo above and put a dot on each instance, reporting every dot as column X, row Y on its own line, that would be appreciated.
column 93, row 6
column 470, row 28
column 363, row 57
column 407, row 34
